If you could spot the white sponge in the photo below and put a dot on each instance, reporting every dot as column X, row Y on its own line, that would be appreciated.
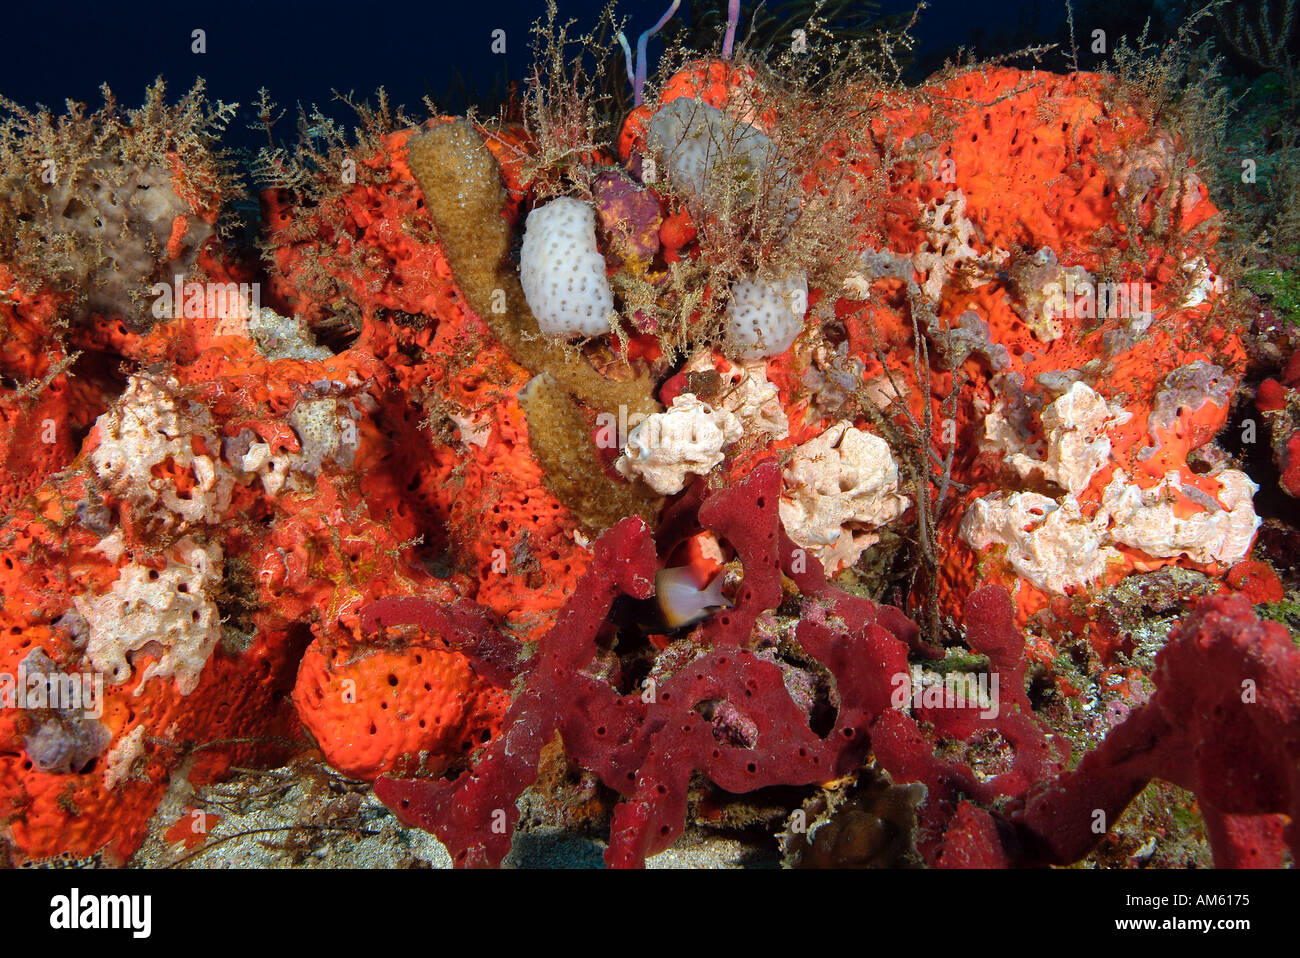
column 764, row 318
column 686, row 439
column 707, row 150
column 836, row 490
column 562, row 271
column 171, row 609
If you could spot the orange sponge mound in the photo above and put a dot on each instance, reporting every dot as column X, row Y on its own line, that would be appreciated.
column 408, row 710
column 236, row 716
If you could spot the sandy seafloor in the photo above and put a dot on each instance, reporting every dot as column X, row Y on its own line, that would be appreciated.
column 278, row 819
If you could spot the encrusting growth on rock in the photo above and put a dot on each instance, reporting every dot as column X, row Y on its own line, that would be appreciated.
column 841, row 460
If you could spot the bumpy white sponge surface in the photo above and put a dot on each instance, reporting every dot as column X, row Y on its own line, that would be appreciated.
column 764, row 318
column 687, row 439
column 836, row 490
column 149, row 425
column 562, row 271
column 1049, row 543
column 168, row 609
column 1075, row 425
column 1146, row 519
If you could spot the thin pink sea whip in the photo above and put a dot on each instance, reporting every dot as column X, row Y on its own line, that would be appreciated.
column 733, row 17
column 637, row 73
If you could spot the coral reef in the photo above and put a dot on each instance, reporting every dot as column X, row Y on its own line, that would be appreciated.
column 1225, row 686
column 799, row 451
column 726, row 709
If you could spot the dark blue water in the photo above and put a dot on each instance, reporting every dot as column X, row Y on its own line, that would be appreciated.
column 301, row 52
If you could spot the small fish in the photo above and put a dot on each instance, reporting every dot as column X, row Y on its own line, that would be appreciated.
column 682, row 602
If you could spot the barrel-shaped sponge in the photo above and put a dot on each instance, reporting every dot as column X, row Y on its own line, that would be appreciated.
column 563, row 272
column 763, row 317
